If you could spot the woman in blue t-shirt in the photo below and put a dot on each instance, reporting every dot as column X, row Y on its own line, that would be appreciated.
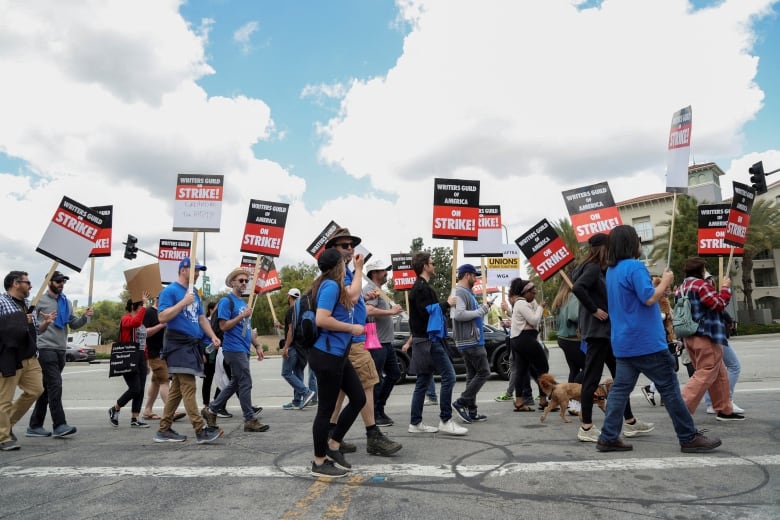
column 328, row 360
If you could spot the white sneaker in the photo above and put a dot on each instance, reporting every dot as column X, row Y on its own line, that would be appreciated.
column 639, row 427
column 421, row 428
column 735, row 408
column 591, row 435
column 450, row 428
column 710, row 409
column 429, row 402
column 574, row 407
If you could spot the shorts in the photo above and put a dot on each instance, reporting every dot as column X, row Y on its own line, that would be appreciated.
column 364, row 365
column 159, row 369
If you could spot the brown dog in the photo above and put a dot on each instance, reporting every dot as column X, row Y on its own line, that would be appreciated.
column 561, row 393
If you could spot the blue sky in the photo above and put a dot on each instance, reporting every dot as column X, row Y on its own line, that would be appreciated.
column 348, row 109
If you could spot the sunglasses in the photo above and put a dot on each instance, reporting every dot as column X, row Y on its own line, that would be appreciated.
column 28, row 282
column 346, row 245
column 242, row 280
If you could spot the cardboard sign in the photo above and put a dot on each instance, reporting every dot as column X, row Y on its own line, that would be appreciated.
column 739, row 215
column 713, row 220
column 198, row 204
column 102, row 246
column 592, row 210
column 679, row 149
column 544, row 249
column 318, row 246
column 490, row 242
column 145, row 278
column 403, row 274
column 264, row 228
column 71, row 234
column 456, row 209
column 169, row 254
column 502, row 269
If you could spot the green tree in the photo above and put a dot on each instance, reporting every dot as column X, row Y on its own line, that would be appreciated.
column 763, row 234
column 106, row 319
column 685, row 241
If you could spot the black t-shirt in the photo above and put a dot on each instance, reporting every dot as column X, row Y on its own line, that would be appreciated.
column 154, row 343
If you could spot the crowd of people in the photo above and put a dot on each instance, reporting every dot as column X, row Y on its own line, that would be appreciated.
column 613, row 314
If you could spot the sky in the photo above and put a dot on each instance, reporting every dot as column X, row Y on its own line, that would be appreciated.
column 348, row 109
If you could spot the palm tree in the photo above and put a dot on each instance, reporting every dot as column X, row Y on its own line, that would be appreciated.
column 763, row 234
column 685, row 240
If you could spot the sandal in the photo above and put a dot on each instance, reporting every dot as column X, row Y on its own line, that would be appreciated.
column 523, row 408
column 152, row 417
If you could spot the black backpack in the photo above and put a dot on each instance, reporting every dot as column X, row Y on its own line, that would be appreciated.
column 215, row 319
column 304, row 320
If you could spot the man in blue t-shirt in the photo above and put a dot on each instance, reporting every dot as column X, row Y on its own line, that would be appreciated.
column 180, row 308
column 234, row 320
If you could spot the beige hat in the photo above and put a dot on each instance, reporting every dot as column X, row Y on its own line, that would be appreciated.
column 342, row 233
column 235, row 272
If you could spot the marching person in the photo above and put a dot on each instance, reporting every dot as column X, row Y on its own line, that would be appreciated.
column 294, row 359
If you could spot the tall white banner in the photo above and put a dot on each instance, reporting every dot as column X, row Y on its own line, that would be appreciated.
column 679, row 151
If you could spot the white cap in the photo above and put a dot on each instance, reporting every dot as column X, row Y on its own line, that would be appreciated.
column 377, row 265
column 295, row 293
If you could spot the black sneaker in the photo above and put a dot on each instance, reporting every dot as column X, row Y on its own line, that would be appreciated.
column 207, row 435
column 256, row 411
column 113, row 417
column 463, row 412
column 347, row 447
column 327, row 469
column 224, row 414
column 477, row 417
column 650, row 396
column 383, row 420
column 135, row 423
column 377, row 443
column 338, row 459
column 730, row 417
column 700, row 444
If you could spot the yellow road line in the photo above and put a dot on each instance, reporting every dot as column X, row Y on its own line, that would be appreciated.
column 302, row 506
column 338, row 508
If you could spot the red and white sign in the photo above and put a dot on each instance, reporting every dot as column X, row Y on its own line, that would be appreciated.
column 198, row 204
column 739, row 215
column 403, row 274
column 71, row 234
column 169, row 254
column 264, row 228
column 679, row 149
column 592, row 210
column 267, row 277
column 544, row 249
column 713, row 221
column 456, row 209
column 102, row 245
column 318, row 246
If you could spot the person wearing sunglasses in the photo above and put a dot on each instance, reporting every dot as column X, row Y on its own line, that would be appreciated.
column 51, row 355
column 235, row 317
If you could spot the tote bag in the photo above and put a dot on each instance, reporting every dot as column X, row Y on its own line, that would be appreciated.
column 372, row 339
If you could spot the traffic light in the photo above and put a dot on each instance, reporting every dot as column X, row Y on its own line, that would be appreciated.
column 130, row 247
column 758, row 178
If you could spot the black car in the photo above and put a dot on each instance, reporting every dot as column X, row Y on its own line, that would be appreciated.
column 496, row 345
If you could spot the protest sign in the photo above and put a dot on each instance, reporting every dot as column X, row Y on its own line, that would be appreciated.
column 592, row 210
column 679, row 147
column 169, row 254
column 318, row 246
column 739, row 215
column 264, row 228
column 713, row 221
column 198, row 203
column 403, row 274
column 71, row 234
column 490, row 241
column 102, row 246
column 544, row 249
column 456, row 209
column 502, row 269
column 143, row 279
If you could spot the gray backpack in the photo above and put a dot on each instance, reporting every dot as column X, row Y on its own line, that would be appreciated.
column 682, row 318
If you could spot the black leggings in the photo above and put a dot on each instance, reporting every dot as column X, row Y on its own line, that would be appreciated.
column 527, row 352
column 575, row 358
column 599, row 354
column 334, row 373
column 135, row 387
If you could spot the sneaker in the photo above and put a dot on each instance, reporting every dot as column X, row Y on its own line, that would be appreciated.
column 347, row 447
column 9, row 445
column 700, row 444
column 135, row 423
column 255, row 426
column 224, row 414
column 463, row 412
column 383, row 420
column 256, row 411
column 650, row 396
column 64, row 430
column 639, row 427
column 338, row 459
column 477, row 417
column 450, row 428
column 290, row 406
column 421, row 428
column 169, row 436
column 730, row 417
column 208, row 434
column 616, row 445
column 179, row 415
column 710, row 410
column 429, row 401
column 504, row 397
column 113, row 417
column 735, row 408
column 313, row 402
column 209, row 416
column 306, row 400
column 591, row 435
column 327, row 469
column 377, row 443
column 574, row 407
column 37, row 432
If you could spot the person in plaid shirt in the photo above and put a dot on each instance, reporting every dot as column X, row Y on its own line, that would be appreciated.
column 705, row 347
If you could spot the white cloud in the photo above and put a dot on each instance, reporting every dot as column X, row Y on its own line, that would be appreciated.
column 243, row 35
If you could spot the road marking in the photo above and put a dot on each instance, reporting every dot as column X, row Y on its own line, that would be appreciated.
column 302, row 506
column 396, row 470
column 338, row 508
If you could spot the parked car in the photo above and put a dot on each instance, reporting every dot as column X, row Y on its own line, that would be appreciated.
column 75, row 352
column 496, row 345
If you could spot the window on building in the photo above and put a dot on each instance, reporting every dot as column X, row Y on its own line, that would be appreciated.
column 644, row 228
column 765, row 277
column 766, row 254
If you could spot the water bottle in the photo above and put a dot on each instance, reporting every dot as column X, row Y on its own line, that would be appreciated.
column 209, row 348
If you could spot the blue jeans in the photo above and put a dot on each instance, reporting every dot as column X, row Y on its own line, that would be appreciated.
column 658, row 367
column 240, row 382
column 443, row 365
column 292, row 372
column 389, row 372
column 733, row 368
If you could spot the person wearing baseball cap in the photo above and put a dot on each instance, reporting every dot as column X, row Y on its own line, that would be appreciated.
column 186, row 262
column 294, row 360
column 381, row 312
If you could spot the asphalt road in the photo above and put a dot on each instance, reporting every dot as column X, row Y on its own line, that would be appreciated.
column 508, row 467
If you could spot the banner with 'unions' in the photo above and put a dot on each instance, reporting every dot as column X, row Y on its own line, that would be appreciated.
column 679, row 150
column 544, row 249
column 264, row 229
column 403, row 274
column 713, row 221
column 456, row 209
column 198, row 202
column 102, row 245
column 71, row 234
column 592, row 210
column 739, row 215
